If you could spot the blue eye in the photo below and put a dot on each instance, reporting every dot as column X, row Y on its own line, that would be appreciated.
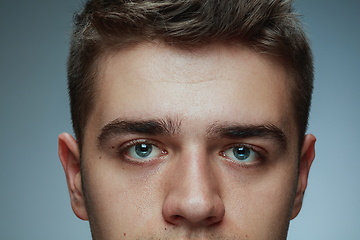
column 241, row 154
column 143, row 151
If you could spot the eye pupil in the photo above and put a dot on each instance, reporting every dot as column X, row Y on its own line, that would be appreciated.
column 241, row 153
column 143, row 150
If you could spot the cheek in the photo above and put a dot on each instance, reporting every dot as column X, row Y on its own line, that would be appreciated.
column 264, row 202
column 118, row 198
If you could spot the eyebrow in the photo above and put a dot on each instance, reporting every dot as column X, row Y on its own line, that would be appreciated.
column 247, row 131
column 171, row 127
column 151, row 127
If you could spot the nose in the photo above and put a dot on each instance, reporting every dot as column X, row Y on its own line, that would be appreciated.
column 193, row 197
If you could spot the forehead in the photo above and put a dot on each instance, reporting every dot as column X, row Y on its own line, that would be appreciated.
column 209, row 84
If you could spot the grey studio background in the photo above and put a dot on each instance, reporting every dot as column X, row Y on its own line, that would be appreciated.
column 34, row 202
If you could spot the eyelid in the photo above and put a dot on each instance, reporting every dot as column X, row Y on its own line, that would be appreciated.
column 125, row 147
column 259, row 151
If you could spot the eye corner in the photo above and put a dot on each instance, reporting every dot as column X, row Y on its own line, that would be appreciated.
column 222, row 153
column 163, row 152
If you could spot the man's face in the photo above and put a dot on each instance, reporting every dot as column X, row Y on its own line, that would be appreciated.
column 195, row 144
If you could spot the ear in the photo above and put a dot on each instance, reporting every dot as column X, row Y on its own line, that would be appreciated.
column 70, row 159
column 306, row 158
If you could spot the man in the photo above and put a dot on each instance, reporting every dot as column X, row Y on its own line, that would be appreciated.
column 190, row 119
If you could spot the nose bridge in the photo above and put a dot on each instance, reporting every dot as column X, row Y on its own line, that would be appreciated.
column 193, row 197
column 197, row 178
column 194, row 183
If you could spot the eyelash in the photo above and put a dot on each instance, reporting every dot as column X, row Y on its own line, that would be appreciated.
column 121, row 153
column 260, row 160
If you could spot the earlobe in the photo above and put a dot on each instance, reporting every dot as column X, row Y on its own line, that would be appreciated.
column 69, row 155
column 306, row 158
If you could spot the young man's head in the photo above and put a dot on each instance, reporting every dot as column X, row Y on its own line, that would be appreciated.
column 190, row 119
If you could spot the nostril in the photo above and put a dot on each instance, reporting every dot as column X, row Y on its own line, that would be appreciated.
column 174, row 219
column 213, row 220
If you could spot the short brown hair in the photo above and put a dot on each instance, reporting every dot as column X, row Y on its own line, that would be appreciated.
column 267, row 26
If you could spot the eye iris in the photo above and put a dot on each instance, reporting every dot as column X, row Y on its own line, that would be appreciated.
column 241, row 153
column 143, row 150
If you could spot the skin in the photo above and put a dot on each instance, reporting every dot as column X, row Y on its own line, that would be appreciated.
column 192, row 186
